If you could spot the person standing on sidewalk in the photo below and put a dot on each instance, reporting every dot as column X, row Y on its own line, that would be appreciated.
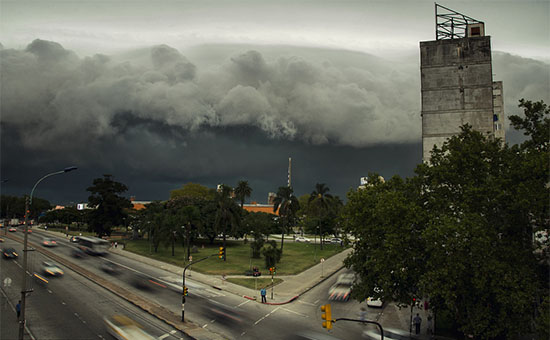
column 263, row 292
column 417, row 321
column 18, row 309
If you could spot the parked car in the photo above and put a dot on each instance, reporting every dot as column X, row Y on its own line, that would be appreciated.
column 254, row 272
column 49, row 242
column 52, row 268
column 334, row 240
column 9, row 253
column 302, row 239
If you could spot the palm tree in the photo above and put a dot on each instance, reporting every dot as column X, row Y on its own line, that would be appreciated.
column 227, row 213
column 242, row 191
column 288, row 205
column 321, row 200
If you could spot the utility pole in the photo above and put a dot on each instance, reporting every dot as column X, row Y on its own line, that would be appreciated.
column 24, row 291
column 289, row 172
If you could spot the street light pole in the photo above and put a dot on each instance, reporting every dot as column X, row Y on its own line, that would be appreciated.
column 24, row 291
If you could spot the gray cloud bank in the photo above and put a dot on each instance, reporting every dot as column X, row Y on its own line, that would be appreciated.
column 220, row 113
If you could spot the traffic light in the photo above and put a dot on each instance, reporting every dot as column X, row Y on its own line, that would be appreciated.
column 272, row 270
column 327, row 316
column 221, row 253
column 185, row 290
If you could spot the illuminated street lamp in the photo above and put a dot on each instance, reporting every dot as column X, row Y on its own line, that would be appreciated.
column 28, row 202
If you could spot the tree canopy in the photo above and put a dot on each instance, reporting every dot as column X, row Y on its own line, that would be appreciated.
column 460, row 232
column 108, row 208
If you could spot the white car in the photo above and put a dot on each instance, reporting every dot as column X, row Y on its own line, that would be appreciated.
column 123, row 328
column 375, row 302
column 302, row 239
column 341, row 290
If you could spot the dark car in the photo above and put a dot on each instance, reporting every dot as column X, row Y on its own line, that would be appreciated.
column 74, row 239
column 254, row 272
column 9, row 253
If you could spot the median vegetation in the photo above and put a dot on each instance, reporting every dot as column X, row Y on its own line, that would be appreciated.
column 296, row 258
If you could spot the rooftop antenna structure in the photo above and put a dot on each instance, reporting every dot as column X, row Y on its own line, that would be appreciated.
column 450, row 24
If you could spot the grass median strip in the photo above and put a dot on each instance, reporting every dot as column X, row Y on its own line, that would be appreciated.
column 296, row 258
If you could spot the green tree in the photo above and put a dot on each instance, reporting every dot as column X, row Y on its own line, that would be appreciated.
column 108, row 207
column 193, row 190
column 320, row 199
column 242, row 191
column 271, row 253
column 228, row 213
column 288, row 206
column 460, row 231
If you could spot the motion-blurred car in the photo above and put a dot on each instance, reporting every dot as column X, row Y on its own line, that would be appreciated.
column 123, row 328
column 52, row 269
column 74, row 239
column 12, row 229
column 1, row 239
column 341, row 290
column 389, row 334
column 110, row 268
column 49, row 242
column 302, row 239
column 9, row 253
column 78, row 253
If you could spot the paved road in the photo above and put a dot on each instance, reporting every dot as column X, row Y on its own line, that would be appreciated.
column 69, row 307
column 226, row 314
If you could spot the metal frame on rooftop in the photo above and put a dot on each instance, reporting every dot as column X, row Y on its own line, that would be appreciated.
column 450, row 24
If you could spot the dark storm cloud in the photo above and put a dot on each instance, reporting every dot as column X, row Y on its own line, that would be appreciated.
column 156, row 119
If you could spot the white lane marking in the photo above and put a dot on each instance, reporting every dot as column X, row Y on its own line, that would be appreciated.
column 242, row 303
column 173, row 331
column 291, row 311
column 265, row 316
column 205, row 325
column 100, row 336
column 164, row 336
column 307, row 303
column 243, row 333
column 49, row 291
column 63, row 303
column 316, row 302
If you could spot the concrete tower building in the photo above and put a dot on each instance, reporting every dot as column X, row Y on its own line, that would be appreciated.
column 457, row 81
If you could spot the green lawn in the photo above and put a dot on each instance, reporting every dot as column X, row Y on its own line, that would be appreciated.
column 297, row 257
column 259, row 284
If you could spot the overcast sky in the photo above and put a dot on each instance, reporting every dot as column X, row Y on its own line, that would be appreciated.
column 161, row 93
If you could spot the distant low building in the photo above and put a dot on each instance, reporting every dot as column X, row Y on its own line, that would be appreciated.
column 138, row 205
column 265, row 208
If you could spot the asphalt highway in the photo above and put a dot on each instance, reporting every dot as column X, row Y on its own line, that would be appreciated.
column 225, row 314
column 70, row 306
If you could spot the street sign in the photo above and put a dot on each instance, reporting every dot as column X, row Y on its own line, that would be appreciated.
column 7, row 282
column 322, row 260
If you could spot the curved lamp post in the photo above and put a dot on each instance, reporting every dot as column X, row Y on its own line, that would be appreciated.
column 24, row 291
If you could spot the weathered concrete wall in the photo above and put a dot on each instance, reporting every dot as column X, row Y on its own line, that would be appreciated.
column 498, row 107
column 457, row 88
